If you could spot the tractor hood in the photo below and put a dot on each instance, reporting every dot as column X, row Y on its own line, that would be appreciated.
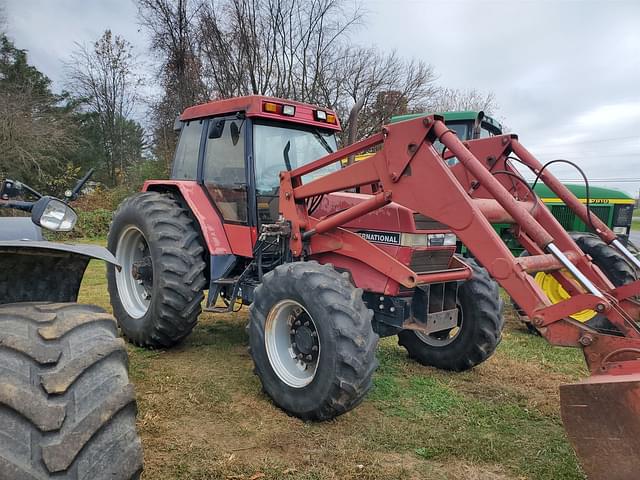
column 390, row 218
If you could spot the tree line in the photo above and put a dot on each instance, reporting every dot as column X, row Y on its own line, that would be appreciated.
column 203, row 50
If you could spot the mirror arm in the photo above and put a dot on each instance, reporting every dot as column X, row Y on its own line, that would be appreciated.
column 17, row 205
column 73, row 194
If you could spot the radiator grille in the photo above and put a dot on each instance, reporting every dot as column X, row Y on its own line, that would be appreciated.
column 424, row 261
column 601, row 211
column 567, row 218
column 564, row 215
column 426, row 223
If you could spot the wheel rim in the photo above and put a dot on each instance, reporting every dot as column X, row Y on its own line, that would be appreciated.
column 444, row 337
column 556, row 293
column 135, row 280
column 292, row 343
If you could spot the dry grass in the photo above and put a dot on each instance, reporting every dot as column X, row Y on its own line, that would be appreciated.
column 202, row 414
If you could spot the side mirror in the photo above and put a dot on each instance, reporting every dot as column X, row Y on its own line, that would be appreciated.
column 235, row 133
column 53, row 214
column 216, row 127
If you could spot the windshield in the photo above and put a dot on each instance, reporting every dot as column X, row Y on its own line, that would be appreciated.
column 277, row 147
column 461, row 130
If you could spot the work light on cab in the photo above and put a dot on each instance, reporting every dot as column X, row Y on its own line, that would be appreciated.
column 273, row 107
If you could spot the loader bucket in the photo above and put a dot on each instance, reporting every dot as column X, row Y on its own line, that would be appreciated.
column 602, row 418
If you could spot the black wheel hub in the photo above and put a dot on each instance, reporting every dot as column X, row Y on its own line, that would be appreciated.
column 304, row 338
column 143, row 270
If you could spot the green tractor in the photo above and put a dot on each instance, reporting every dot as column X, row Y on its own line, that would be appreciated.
column 613, row 207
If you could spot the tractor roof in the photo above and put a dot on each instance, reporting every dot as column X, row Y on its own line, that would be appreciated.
column 466, row 115
column 254, row 106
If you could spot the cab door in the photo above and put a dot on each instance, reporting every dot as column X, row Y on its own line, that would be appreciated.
column 224, row 176
column 224, row 172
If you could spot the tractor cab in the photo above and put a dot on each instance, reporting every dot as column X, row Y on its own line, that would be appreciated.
column 467, row 124
column 236, row 148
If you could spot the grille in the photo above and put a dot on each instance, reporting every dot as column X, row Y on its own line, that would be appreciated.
column 424, row 261
column 564, row 215
column 601, row 211
column 567, row 218
column 426, row 223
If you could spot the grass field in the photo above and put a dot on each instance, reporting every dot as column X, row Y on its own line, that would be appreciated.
column 202, row 414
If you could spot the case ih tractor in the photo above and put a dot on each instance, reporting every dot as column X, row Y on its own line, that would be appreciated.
column 259, row 212
column 67, row 407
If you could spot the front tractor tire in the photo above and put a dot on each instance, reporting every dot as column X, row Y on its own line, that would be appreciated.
column 157, row 295
column 311, row 340
column 67, row 407
column 477, row 334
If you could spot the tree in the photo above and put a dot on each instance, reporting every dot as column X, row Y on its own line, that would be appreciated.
column 172, row 25
column 296, row 49
column 379, row 85
column 104, row 77
column 451, row 99
column 285, row 48
column 36, row 126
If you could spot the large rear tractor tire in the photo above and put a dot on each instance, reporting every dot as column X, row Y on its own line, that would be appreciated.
column 477, row 335
column 612, row 264
column 157, row 295
column 67, row 408
column 311, row 340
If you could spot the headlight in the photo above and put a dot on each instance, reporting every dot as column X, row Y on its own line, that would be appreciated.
column 430, row 240
column 441, row 240
column 413, row 240
column 622, row 215
column 52, row 214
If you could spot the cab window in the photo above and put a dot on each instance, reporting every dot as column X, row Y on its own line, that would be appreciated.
column 488, row 131
column 278, row 147
column 224, row 171
column 185, row 163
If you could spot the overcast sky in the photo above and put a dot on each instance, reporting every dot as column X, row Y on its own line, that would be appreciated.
column 566, row 73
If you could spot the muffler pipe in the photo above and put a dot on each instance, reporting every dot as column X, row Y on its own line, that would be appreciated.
column 625, row 251
column 577, row 274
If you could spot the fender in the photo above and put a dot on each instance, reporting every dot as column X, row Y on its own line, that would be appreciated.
column 41, row 271
column 204, row 212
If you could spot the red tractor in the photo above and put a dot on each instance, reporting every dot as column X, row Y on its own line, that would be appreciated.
column 259, row 212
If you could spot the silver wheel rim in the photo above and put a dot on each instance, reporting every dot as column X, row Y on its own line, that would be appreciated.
column 445, row 337
column 135, row 298
column 283, row 353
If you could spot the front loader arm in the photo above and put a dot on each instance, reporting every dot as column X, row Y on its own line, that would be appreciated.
column 483, row 187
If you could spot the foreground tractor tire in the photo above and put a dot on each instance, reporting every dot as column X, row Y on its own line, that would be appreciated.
column 612, row 264
column 477, row 335
column 311, row 340
column 67, row 408
column 157, row 295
